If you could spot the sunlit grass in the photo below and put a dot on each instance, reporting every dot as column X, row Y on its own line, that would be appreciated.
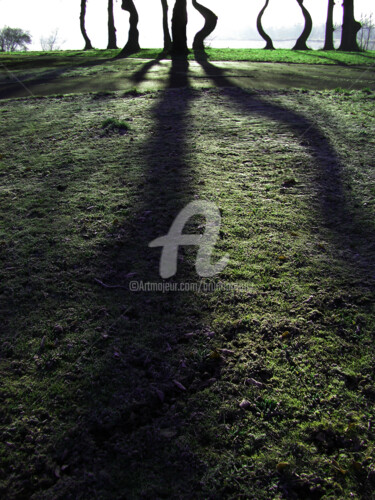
column 90, row 403
column 255, row 55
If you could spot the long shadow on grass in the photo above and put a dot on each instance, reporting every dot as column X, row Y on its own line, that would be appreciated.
column 345, row 226
column 366, row 56
column 47, row 77
column 320, row 56
column 130, row 441
column 337, row 61
column 140, row 75
column 133, row 428
column 133, row 436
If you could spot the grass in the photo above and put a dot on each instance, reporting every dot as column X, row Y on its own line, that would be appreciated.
column 114, row 125
column 266, row 391
column 69, row 72
column 64, row 57
column 293, row 57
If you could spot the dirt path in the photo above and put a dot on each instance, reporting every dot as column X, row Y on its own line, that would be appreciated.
column 153, row 75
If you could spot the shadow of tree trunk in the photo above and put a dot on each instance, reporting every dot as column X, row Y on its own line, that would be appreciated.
column 333, row 199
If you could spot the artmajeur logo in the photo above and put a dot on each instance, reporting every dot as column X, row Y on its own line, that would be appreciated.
column 206, row 242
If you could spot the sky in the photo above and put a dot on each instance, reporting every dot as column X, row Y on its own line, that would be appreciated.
column 41, row 17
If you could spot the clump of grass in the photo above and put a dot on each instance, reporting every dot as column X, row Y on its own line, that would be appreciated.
column 133, row 92
column 340, row 90
column 112, row 125
column 102, row 95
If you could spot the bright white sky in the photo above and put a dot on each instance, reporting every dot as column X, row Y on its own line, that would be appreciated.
column 40, row 17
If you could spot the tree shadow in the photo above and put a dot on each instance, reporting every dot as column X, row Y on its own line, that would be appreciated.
column 132, row 433
column 127, row 440
column 362, row 54
column 140, row 75
column 319, row 56
column 47, row 77
column 345, row 225
column 130, row 440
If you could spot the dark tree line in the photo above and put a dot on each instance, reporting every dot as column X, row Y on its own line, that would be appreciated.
column 175, row 41
column 209, row 26
column 350, row 28
column 167, row 35
column 328, row 44
column 260, row 29
column 301, row 42
column 82, row 19
column 132, row 44
column 112, row 41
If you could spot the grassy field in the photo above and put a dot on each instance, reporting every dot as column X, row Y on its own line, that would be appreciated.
column 264, row 391
column 61, row 58
column 75, row 72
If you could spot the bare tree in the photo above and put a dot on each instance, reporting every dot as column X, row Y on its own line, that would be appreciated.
column 366, row 35
column 132, row 44
column 167, row 35
column 263, row 34
column 350, row 28
column 51, row 42
column 112, row 40
column 301, row 42
column 209, row 25
column 179, row 23
column 330, row 29
column 82, row 19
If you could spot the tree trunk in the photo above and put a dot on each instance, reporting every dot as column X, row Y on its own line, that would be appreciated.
column 167, row 36
column 350, row 28
column 82, row 17
column 132, row 45
column 261, row 31
column 328, row 44
column 179, row 23
column 209, row 26
column 301, row 42
column 112, row 41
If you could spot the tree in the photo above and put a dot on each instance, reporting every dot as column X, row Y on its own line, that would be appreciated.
column 51, row 42
column 132, row 44
column 167, row 36
column 112, row 41
column 2, row 40
column 263, row 34
column 350, row 28
column 209, row 25
column 12, row 39
column 328, row 44
column 82, row 19
column 301, row 42
column 179, row 23
column 366, row 33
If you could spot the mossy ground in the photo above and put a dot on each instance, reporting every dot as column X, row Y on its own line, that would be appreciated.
column 262, row 392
